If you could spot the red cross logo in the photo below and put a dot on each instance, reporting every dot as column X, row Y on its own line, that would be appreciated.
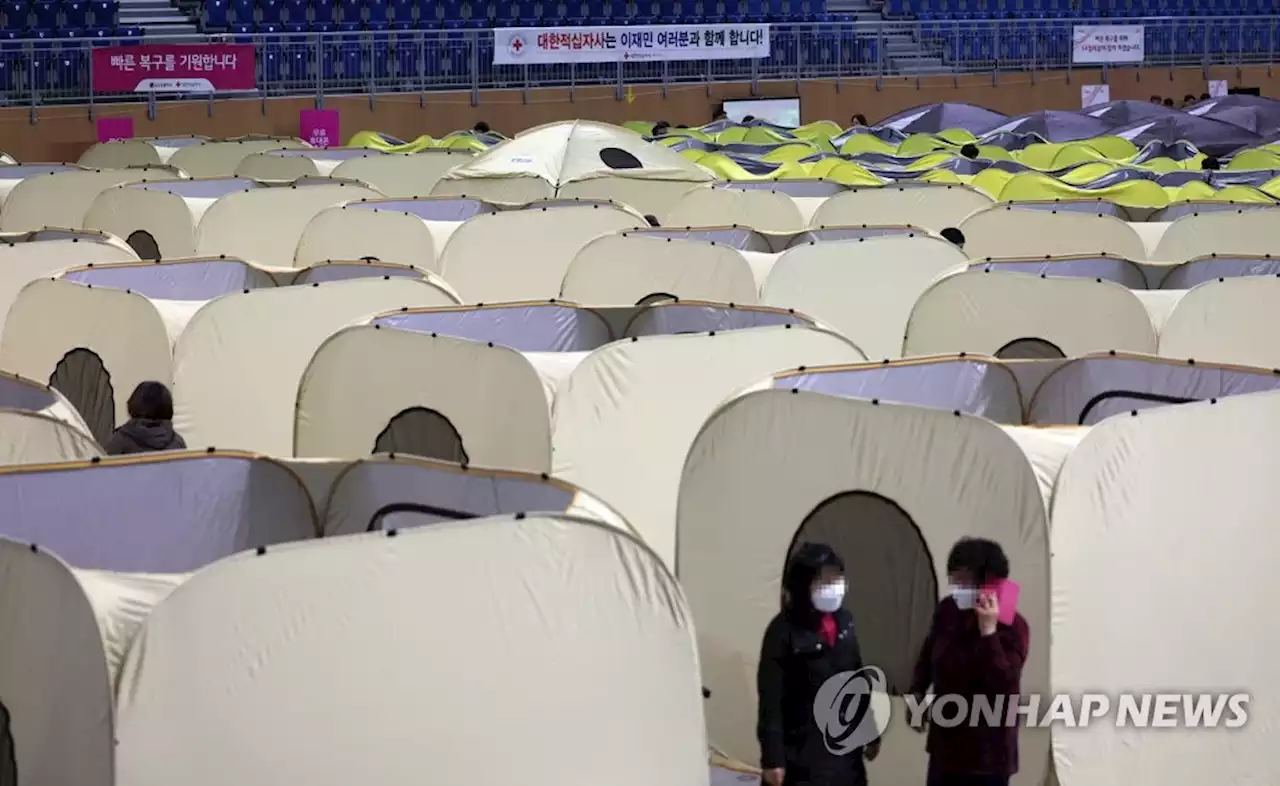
column 516, row 45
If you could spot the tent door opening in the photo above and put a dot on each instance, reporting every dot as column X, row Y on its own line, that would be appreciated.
column 420, row 431
column 1029, row 349
column 892, row 585
column 82, row 377
column 144, row 245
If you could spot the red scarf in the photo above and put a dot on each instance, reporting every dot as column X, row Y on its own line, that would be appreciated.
column 828, row 629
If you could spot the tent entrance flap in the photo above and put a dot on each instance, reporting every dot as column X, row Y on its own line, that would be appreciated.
column 1030, row 349
column 82, row 377
column 144, row 244
column 8, row 764
column 424, row 432
column 892, row 585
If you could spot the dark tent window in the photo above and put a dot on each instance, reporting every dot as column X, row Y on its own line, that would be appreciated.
column 81, row 377
column 893, row 589
column 617, row 158
column 1029, row 349
column 656, row 297
column 144, row 244
column 8, row 758
column 424, row 432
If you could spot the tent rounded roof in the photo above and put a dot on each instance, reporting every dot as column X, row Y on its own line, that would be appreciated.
column 562, row 153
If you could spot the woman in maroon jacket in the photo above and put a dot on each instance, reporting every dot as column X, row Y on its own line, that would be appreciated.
column 970, row 653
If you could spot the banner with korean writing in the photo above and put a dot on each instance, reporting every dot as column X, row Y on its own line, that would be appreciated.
column 539, row 45
column 174, row 68
column 1108, row 44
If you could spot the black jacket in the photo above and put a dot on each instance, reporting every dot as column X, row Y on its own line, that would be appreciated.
column 144, row 436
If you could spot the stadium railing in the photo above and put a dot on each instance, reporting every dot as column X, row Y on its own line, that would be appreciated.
column 50, row 70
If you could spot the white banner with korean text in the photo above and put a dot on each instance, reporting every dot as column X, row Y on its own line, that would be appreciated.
column 541, row 45
column 1108, row 44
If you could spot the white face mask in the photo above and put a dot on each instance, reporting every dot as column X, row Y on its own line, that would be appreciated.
column 965, row 597
column 828, row 597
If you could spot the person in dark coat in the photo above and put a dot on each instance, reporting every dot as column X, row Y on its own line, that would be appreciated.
column 970, row 653
column 811, row 640
column 150, row 426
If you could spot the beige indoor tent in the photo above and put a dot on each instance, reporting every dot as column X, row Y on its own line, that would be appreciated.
column 371, row 389
column 667, row 318
column 238, row 362
column 342, row 696
column 263, row 225
column 768, row 212
column 39, row 438
column 534, row 326
column 159, row 220
column 864, row 289
column 578, row 158
column 1015, row 316
column 121, row 153
column 1224, row 233
column 403, row 175
column 1008, row 231
column 625, row 417
column 524, row 254
column 287, row 165
column 220, row 157
column 13, row 174
column 62, row 199
column 1125, row 544
column 1233, row 320
column 378, row 228
column 879, row 482
column 198, row 278
column 630, row 268
column 934, row 206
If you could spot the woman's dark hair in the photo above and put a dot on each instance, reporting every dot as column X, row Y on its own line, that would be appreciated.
column 803, row 567
column 481, row 127
column 982, row 558
column 151, row 401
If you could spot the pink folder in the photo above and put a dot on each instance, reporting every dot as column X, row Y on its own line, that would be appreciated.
column 1006, row 593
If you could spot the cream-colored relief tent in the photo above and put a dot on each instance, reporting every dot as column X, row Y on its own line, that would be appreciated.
column 38, row 438
column 524, row 254
column 768, row 212
column 1014, row 316
column 1104, row 266
column 403, row 175
column 1129, row 526
column 219, row 158
column 347, row 269
column 625, row 417
column 367, row 493
column 1011, row 231
column 775, row 468
column 532, row 326
column 698, row 316
column 103, row 342
column 380, row 390
column 1225, row 234
column 627, row 268
column 21, row 263
column 238, row 363
column 13, row 174
column 543, row 576
column 1233, row 320
column 404, row 232
column 1086, row 390
column 63, row 199
column 27, row 395
column 167, row 513
column 287, row 165
column 935, row 206
column 198, row 279
column 264, row 225
column 971, row 384
column 121, row 153
column 159, row 220
column 741, row 238
column 561, row 159
column 1195, row 272
column 864, row 289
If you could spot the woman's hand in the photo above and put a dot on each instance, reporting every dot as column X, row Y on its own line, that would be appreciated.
column 775, row 776
column 988, row 611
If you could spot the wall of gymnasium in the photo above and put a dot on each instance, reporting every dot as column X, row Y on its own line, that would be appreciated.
column 63, row 133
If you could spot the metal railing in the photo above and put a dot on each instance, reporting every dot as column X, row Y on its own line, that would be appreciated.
column 59, row 70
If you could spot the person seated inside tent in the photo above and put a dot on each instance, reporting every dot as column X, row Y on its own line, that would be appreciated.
column 150, row 425
column 969, row 646
column 970, row 151
column 811, row 640
column 1210, row 164
column 719, row 115
column 954, row 236
column 660, row 128
column 1205, row 96
column 1168, row 102
column 481, row 128
column 858, row 121
column 1156, row 100
column 1188, row 100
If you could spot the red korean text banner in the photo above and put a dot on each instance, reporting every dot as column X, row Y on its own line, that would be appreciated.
column 174, row 68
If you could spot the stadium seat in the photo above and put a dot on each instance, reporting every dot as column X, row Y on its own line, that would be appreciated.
column 216, row 15
column 270, row 12
column 106, row 13
column 324, row 12
column 242, row 12
column 16, row 15
column 295, row 11
column 45, row 15
column 350, row 12
column 378, row 11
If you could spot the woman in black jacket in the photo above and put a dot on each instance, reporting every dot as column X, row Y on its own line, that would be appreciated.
column 809, row 642
column 150, row 425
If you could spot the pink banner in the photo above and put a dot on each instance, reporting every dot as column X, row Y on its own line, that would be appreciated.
column 319, row 127
column 174, row 68
column 113, row 128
